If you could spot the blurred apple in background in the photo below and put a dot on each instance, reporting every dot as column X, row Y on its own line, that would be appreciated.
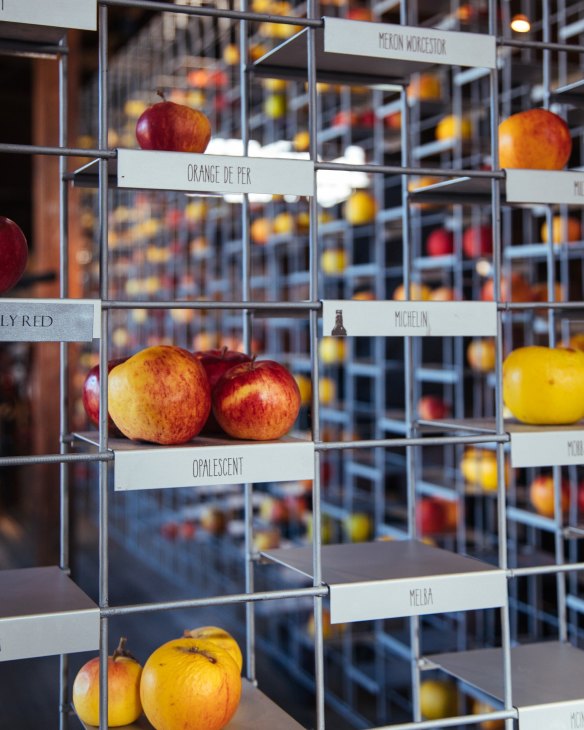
column 541, row 495
column 440, row 242
column 418, row 292
column 261, row 230
column 393, row 121
column 431, row 517
column 231, row 54
column 438, row 699
column 326, row 529
column 364, row 295
column 332, row 350
column 481, row 355
column 358, row 527
column 173, row 127
column 266, row 539
column 357, row 13
column 90, row 394
column 329, row 630
column 443, row 294
column 13, row 254
column 360, row 208
column 540, row 293
column 454, row 127
column 256, row 400
column 160, row 394
column 478, row 241
column 345, row 118
column 513, row 289
column 479, row 466
column 304, row 384
column 273, row 510
column 424, row 86
column 481, row 708
column 565, row 229
column 301, row 141
column 213, row 520
column 327, row 390
column 333, row 261
column 283, row 224
column 534, row 139
column 432, row 407
column 275, row 106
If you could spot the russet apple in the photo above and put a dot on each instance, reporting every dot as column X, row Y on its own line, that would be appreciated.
column 218, row 636
column 440, row 242
column 534, row 139
column 13, row 254
column 160, row 394
column 123, row 686
column 541, row 495
column 193, row 684
column 544, row 385
column 478, row 241
column 216, row 362
column 90, row 394
column 173, row 127
column 256, row 400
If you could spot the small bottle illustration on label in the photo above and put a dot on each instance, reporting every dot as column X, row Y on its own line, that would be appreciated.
column 339, row 328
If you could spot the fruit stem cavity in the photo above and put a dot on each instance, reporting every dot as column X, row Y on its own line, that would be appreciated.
column 196, row 650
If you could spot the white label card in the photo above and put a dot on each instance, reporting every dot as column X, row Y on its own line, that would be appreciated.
column 144, row 169
column 81, row 14
column 204, row 466
column 557, row 716
column 382, row 40
column 547, row 448
column 49, row 320
column 417, row 596
column 562, row 187
column 398, row 319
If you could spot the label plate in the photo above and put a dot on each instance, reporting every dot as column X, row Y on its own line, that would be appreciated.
column 80, row 14
column 383, row 40
column 399, row 319
column 49, row 320
column 558, row 447
column 192, row 466
column 417, row 596
column 563, row 187
column 144, row 169
column 557, row 716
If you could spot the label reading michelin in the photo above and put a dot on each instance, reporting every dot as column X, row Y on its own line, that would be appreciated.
column 383, row 40
column 81, row 14
column 145, row 169
column 48, row 320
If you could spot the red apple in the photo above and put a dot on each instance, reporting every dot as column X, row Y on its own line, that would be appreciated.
column 367, row 119
column 216, row 363
column 440, row 242
column 478, row 241
column 256, row 400
column 90, row 394
column 13, row 254
column 173, row 127
column 431, row 517
column 541, row 495
column 431, row 407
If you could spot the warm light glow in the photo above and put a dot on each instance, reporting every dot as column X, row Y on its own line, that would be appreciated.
column 520, row 23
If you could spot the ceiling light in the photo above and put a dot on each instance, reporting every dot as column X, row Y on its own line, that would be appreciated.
column 520, row 23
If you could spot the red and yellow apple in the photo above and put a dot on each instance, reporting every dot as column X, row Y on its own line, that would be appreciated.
column 454, row 127
column 481, row 354
column 564, row 230
column 160, row 394
column 220, row 637
column 173, row 127
column 90, row 394
column 189, row 683
column 424, row 87
column 534, row 139
column 432, row 407
column 541, row 495
column 256, row 400
column 213, row 520
column 123, row 686
column 13, row 254
column 513, row 289
column 481, row 708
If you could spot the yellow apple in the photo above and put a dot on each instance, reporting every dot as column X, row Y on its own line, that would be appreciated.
column 220, row 637
column 360, row 208
column 332, row 350
column 333, row 261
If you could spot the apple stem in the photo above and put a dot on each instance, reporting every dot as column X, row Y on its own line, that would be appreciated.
column 252, row 362
column 202, row 652
column 224, row 351
column 160, row 93
column 121, row 650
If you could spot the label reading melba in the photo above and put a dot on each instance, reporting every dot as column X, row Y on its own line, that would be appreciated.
column 412, row 43
column 218, row 467
column 219, row 174
column 575, row 448
column 26, row 320
column 421, row 597
column 577, row 719
column 414, row 318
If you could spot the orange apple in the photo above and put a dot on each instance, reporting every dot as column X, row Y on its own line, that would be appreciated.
column 220, row 637
column 481, row 355
column 534, row 139
column 190, row 683
column 564, row 230
column 301, row 141
column 424, row 86
column 123, row 685
column 258, row 400
column 261, row 230
column 454, row 127
column 517, row 289
column 481, row 708
column 161, row 394
column 541, row 495
column 418, row 293
column 443, row 294
column 365, row 295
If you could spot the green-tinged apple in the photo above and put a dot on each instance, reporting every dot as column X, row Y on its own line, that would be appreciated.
column 123, row 686
column 160, row 394
column 218, row 636
column 90, row 394
column 217, row 362
column 534, row 139
column 13, row 254
column 192, row 684
column 256, row 400
column 173, row 127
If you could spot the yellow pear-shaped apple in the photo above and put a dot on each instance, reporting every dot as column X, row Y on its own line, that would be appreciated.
column 544, row 385
column 161, row 394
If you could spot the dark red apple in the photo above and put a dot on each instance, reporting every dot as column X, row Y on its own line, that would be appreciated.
column 367, row 119
column 440, row 242
column 13, row 254
column 216, row 363
column 478, row 241
column 173, row 127
column 256, row 400
column 90, row 394
column 431, row 517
